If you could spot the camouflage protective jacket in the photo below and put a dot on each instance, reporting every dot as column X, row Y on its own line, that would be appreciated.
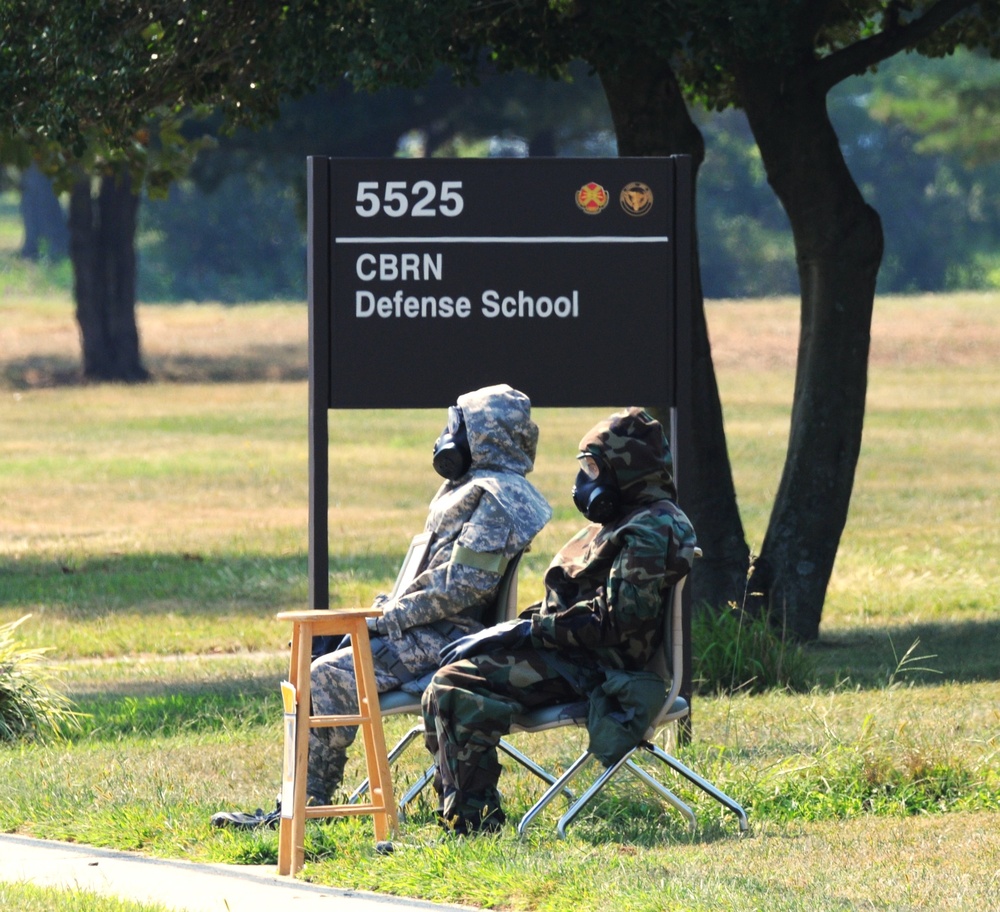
column 479, row 521
column 604, row 589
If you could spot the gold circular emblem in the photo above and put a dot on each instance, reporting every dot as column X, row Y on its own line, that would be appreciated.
column 636, row 198
column 592, row 198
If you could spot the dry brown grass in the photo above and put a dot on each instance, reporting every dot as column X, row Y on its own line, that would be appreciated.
column 188, row 343
column 945, row 863
column 960, row 329
column 199, row 343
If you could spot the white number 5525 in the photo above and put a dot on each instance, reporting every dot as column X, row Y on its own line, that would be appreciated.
column 397, row 198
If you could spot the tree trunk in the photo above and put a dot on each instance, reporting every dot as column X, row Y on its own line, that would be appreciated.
column 102, row 248
column 838, row 243
column 651, row 118
column 45, row 231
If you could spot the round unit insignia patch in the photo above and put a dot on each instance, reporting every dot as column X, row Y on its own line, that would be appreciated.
column 636, row 198
column 592, row 198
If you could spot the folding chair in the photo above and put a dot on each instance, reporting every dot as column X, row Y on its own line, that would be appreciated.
column 669, row 658
column 398, row 701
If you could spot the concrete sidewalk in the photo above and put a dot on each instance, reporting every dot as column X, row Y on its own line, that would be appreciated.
column 183, row 885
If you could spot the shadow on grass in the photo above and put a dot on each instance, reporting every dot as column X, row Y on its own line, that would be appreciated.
column 261, row 362
column 40, row 372
column 964, row 652
column 257, row 363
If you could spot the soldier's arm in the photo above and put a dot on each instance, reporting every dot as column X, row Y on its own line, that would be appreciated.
column 626, row 611
column 462, row 575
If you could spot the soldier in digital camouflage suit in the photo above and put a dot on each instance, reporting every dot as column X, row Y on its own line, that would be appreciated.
column 480, row 518
column 602, row 613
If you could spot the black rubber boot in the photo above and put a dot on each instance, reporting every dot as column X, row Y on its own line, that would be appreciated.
column 239, row 821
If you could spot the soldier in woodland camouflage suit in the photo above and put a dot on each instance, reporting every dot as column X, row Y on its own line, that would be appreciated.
column 480, row 518
column 601, row 615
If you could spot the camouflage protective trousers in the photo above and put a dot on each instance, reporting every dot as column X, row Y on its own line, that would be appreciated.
column 468, row 707
column 335, row 692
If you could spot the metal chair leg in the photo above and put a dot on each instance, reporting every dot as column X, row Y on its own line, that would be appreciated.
column 415, row 789
column 703, row 784
column 527, row 762
column 606, row 777
column 551, row 792
column 582, row 801
column 401, row 746
column 664, row 792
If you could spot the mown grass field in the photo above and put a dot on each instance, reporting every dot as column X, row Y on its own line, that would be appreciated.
column 153, row 532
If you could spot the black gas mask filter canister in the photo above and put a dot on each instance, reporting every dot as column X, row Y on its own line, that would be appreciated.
column 452, row 456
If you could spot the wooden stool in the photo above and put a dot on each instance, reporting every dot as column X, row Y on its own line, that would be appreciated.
column 305, row 626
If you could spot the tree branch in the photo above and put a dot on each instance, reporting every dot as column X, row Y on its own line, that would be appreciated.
column 854, row 59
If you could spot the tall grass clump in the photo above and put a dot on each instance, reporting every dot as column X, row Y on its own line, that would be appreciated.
column 735, row 652
column 31, row 707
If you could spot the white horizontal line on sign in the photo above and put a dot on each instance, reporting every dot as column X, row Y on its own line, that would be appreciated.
column 658, row 239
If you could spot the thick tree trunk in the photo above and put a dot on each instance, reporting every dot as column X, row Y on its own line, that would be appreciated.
column 651, row 118
column 45, row 231
column 838, row 243
column 102, row 248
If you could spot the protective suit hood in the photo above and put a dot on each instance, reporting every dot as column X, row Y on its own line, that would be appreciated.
column 502, row 440
column 633, row 444
column 502, row 436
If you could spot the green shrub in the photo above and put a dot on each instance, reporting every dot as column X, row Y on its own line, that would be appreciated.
column 732, row 651
column 30, row 705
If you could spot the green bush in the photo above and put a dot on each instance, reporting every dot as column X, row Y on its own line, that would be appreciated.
column 30, row 705
column 732, row 651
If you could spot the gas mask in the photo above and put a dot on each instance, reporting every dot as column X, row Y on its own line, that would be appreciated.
column 452, row 456
column 595, row 492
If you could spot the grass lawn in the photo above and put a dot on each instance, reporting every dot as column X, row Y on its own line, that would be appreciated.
column 152, row 533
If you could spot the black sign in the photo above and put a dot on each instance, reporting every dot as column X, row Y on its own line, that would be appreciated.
column 438, row 276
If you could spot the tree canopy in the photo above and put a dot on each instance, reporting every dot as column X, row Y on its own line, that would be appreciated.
column 953, row 107
column 84, row 73
column 81, row 71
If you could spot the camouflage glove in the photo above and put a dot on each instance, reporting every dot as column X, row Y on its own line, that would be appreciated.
column 511, row 635
column 376, row 626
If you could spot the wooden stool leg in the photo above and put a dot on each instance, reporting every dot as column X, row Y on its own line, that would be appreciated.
column 285, row 823
column 291, row 839
column 379, row 777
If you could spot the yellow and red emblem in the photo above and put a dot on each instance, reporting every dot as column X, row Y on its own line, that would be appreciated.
column 592, row 198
